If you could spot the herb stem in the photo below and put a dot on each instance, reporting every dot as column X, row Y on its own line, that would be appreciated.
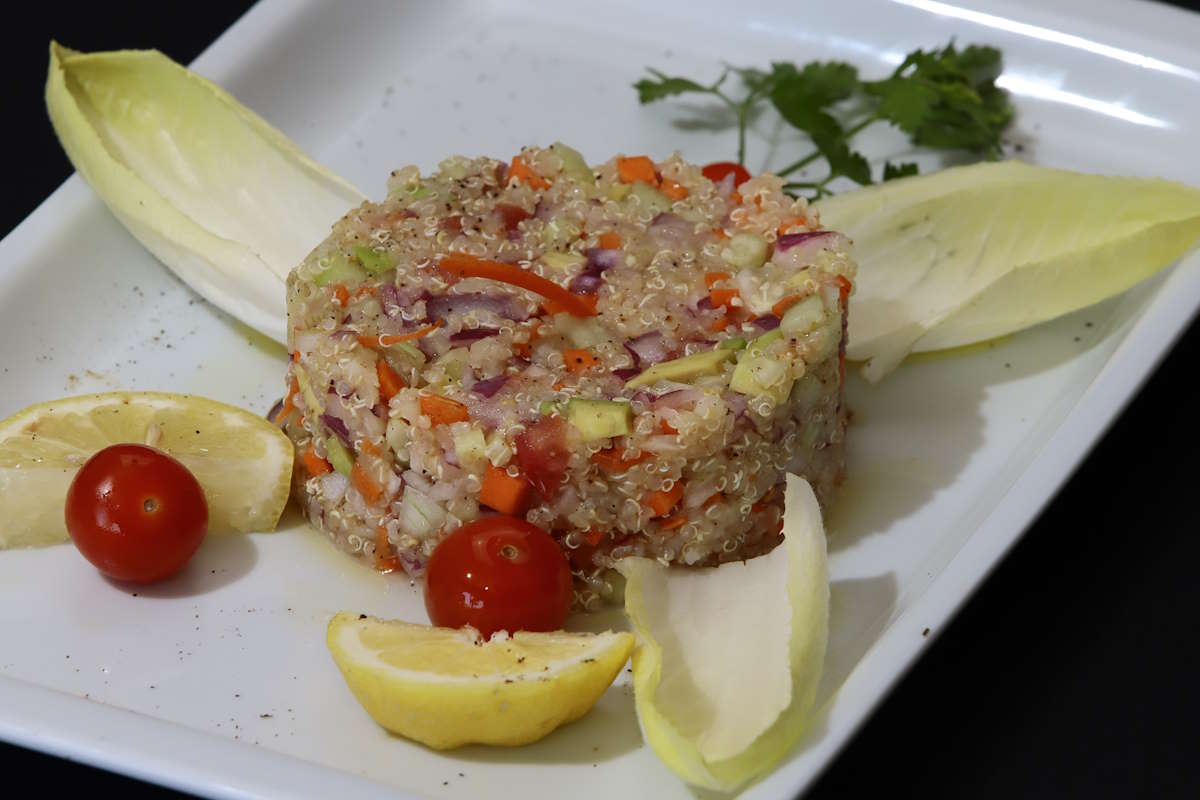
column 739, row 109
column 815, row 154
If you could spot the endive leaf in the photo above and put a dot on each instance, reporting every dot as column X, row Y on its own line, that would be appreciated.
column 971, row 253
column 727, row 659
column 226, row 201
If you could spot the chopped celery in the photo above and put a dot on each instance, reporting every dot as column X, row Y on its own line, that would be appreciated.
column 573, row 164
column 581, row 331
column 339, row 456
column 470, row 447
column 600, row 419
column 733, row 343
column 746, row 250
column 372, row 261
column 683, row 369
column 803, row 316
column 306, row 390
column 654, row 200
column 340, row 270
column 563, row 260
column 761, row 375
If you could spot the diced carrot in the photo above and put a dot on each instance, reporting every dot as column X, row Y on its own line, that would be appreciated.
column 578, row 361
column 593, row 537
column 736, row 197
column 758, row 200
column 314, row 463
column 520, row 171
column 722, row 297
column 789, row 223
column 783, row 305
column 720, row 233
column 673, row 190
column 667, row 427
column 341, row 295
column 661, row 503
column 711, row 279
column 713, row 499
column 368, row 447
column 367, row 290
column 673, row 523
column 763, row 501
column 390, row 383
column 389, row 339
column 471, row 267
column 844, row 287
column 589, row 301
column 503, row 492
column 289, row 402
column 523, row 349
column 721, row 323
column 443, row 410
column 295, row 355
column 371, row 491
column 609, row 240
column 512, row 215
column 637, row 168
column 385, row 559
column 613, row 460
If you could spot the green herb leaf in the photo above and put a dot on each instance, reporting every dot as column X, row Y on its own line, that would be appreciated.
column 664, row 86
column 902, row 170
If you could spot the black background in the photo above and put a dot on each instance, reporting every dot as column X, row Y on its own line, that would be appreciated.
column 1072, row 673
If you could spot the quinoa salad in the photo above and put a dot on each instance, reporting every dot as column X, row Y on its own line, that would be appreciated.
column 630, row 356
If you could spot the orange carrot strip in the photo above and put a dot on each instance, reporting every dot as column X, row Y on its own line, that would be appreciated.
column 554, row 307
column 472, row 267
column 593, row 537
column 389, row 339
column 371, row 491
column 520, row 171
column 609, row 240
column 720, row 233
column 613, row 460
column 789, row 223
column 720, row 324
column 578, row 361
column 390, row 383
column 783, row 305
column 314, row 463
column 661, row 503
column 722, row 297
column 385, row 559
column 844, row 287
column 713, row 499
column 673, row 190
column 367, row 290
column 711, row 279
column 667, row 427
column 504, row 493
column 673, row 523
column 443, row 410
column 637, row 168
column 341, row 295
column 289, row 404
column 736, row 197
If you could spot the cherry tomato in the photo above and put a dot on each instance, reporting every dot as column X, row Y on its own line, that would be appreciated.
column 542, row 454
column 136, row 513
column 717, row 171
column 498, row 573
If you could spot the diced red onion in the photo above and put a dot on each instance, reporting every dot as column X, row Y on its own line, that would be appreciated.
column 648, row 349
column 446, row 305
column 790, row 240
column 705, row 304
column 626, row 373
column 586, row 282
column 338, row 427
column 726, row 185
column 489, row 386
column 275, row 409
column 602, row 258
column 394, row 299
column 472, row 334
column 671, row 230
column 737, row 403
column 767, row 322
column 679, row 398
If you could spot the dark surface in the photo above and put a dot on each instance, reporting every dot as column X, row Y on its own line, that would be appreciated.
column 1072, row 672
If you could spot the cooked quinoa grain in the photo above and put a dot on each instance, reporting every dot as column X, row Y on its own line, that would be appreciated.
column 629, row 356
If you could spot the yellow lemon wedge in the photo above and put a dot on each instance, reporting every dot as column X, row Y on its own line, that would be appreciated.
column 728, row 659
column 242, row 461
column 448, row 687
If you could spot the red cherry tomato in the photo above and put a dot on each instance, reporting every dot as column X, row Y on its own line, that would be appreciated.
column 542, row 454
column 136, row 513
column 717, row 171
column 498, row 573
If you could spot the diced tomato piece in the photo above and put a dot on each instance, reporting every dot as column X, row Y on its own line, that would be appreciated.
column 717, row 171
column 542, row 454
column 512, row 215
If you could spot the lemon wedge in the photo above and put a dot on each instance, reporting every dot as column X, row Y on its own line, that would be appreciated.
column 448, row 687
column 243, row 462
column 728, row 659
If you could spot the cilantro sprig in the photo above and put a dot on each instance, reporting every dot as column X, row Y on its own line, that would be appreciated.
column 944, row 99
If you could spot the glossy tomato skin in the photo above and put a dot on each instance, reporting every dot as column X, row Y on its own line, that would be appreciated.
column 717, row 171
column 136, row 513
column 498, row 573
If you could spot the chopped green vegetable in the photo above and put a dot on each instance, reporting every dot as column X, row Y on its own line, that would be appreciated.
column 649, row 197
column 803, row 316
column 759, row 374
column 945, row 99
column 708, row 362
column 746, row 251
column 600, row 419
column 733, row 343
column 341, row 270
column 563, row 260
column 470, row 447
column 338, row 455
column 372, row 261
column 573, row 163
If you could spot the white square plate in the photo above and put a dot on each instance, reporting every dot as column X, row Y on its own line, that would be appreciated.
column 218, row 682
